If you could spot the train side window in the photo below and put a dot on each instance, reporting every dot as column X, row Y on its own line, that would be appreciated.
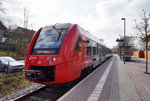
column 88, row 47
column 94, row 48
column 102, row 50
column 97, row 49
column 78, row 44
column 100, row 47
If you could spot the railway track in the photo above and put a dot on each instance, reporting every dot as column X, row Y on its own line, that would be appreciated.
column 46, row 93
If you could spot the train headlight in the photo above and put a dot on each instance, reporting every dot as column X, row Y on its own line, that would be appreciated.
column 54, row 59
column 29, row 58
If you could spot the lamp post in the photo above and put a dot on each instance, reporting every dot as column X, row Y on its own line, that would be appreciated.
column 124, row 38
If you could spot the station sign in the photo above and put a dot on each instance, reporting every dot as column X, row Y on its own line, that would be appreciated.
column 120, row 40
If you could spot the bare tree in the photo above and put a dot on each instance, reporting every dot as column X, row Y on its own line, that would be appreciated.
column 141, row 44
column 3, row 11
column 1, row 8
column 143, row 32
column 129, row 41
column 115, row 50
column 11, row 42
column 26, row 12
column 19, row 38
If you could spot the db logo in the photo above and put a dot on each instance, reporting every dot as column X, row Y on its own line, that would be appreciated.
column 39, row 62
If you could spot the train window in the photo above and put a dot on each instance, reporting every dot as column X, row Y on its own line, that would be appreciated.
column 102, row 50
column 78, row 44
column 94, row 48
column 97, row 49
column 49, row 39
column 88, row 47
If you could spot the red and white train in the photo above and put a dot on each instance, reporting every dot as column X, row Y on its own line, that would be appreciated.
column 61, row 53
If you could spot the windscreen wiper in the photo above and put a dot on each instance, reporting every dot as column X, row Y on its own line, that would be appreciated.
column 58, row 32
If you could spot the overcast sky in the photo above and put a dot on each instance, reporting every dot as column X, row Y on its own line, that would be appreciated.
column 102, row 18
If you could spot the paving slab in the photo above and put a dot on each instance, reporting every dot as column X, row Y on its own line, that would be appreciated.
column 127, row 89
column 141, row 80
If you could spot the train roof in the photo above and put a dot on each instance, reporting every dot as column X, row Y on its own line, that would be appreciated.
column 83, row 31
column 61, row 25
column 90, row 36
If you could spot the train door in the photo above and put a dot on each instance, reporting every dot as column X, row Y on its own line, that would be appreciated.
column 77, row 62
column 89, row 52
column 102, row 50
column 95, row 55
column 99, row 53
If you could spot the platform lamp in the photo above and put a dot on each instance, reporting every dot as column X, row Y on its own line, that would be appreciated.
column 124, row 37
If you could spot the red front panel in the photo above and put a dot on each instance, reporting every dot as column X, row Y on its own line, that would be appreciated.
column 66, row 69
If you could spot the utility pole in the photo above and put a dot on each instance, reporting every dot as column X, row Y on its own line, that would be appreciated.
column 124, row 59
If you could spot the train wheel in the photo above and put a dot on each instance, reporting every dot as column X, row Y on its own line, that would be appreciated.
column 83, row 73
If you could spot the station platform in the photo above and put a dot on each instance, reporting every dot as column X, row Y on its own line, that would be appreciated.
column 113, row 81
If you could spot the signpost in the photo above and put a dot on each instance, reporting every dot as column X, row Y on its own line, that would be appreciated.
column 120, row 40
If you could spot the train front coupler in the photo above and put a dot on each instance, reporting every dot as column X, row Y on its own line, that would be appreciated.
column 35, row 75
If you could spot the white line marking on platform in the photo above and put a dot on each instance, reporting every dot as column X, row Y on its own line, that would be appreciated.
column 66, row 94
column 98, row 89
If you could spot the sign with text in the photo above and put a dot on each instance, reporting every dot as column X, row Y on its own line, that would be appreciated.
column 120, row 40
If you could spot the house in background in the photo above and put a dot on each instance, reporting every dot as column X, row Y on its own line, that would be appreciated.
column 26, row 33
column 14, row 37
column 2, row 33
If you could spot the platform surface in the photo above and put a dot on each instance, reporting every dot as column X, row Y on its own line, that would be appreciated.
column 113, row 81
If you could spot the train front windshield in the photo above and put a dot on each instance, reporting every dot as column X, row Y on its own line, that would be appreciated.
column 49, row 41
